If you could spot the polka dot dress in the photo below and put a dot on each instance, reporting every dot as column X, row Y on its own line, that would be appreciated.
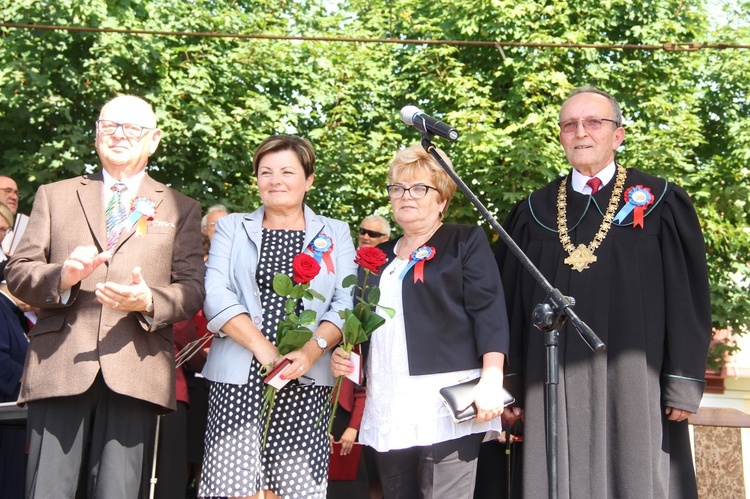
column 294, row 463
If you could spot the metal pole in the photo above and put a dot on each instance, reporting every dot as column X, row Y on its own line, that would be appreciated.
column 152, row 489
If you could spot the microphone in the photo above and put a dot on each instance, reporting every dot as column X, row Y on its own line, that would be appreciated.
column 412, row 115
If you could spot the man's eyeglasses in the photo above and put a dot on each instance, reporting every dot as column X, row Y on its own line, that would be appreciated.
column 370, row 233
column 130, row 130
column 589, row 124
column 417, row 191
column 10, row 190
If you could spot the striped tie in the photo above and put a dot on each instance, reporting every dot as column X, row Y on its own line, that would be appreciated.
column 115, row 214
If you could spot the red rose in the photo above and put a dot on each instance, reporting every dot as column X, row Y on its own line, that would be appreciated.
column 305, row 268
column 371, row 259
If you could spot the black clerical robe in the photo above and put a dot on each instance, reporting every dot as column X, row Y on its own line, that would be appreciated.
column 647, row 298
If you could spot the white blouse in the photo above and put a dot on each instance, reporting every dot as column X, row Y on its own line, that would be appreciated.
column 401, row 410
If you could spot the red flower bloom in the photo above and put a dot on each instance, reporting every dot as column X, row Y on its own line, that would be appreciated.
column 305, row 268
column 371, row 259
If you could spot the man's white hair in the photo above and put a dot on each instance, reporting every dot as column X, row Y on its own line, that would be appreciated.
column 383, row 223
column 214, row 208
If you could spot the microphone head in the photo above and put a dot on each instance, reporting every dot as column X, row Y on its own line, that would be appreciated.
column 408, row 113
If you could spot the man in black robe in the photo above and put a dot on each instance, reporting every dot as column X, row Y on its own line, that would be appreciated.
column 628, row 247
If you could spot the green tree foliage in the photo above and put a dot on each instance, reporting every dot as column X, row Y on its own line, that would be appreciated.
column 218, row 97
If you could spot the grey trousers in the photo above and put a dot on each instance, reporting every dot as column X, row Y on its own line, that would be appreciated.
column 87, row 446
column 442, row 470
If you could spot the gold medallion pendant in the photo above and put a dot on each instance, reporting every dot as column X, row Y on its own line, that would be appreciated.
column 582, row 256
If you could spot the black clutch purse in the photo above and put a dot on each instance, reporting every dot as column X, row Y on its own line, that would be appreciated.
column 458, row 400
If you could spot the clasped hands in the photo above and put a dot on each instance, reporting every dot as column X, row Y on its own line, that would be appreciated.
column 133, row 297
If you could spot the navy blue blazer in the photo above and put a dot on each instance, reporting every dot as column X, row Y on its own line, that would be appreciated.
column 458, row 313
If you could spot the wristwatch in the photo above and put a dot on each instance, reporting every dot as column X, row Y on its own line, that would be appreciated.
column 322, row 343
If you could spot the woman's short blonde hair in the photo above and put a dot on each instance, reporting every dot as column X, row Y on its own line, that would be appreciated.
column 414, row 161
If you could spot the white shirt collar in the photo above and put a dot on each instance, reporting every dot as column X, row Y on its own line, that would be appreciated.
column 132, row 184
column 579, row 180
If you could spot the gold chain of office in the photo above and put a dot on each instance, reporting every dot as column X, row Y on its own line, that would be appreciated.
column 582, row 256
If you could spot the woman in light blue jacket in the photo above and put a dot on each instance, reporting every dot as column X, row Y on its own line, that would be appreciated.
column 243, row 311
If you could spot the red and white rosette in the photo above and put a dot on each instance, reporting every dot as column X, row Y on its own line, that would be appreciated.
column 416, row 260
column 637, row 199
column 321, row 248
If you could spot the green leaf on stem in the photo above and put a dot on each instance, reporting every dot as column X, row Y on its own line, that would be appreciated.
column 370, row 321
column 307, row 317
column 388, row 311
column 281, row 329
column 282, row 284
column 352, row 329
column 349, row 280
column 310, row 294
column 298, row 291
column 289, row 306
column 294, row 339
column 373, row 297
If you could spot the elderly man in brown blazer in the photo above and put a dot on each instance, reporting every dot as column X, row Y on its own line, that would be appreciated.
column 112, row 259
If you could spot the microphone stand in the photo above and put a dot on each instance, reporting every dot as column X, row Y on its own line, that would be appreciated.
column 549, row 317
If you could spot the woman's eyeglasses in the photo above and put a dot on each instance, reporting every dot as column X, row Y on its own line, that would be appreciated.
column 417, row 191
column 370, row 233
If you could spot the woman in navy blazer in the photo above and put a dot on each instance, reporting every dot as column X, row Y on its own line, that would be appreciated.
column 450, row 326
column 247, row 250
column 13, row 346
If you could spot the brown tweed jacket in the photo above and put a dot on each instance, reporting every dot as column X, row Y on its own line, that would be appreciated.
column 72, row 342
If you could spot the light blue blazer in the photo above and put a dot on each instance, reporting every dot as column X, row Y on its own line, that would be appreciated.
column 231, row 289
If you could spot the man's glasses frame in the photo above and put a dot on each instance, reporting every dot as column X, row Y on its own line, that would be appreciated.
column 129, row 130
column 416, row 191
column 371, row 233
column 10, row 190
column 589, row 124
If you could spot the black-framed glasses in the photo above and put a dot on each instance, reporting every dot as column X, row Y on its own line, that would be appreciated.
column 10, row 190
column 416, row 191
column 371, row 233
column 130, row 130
column 589, row 124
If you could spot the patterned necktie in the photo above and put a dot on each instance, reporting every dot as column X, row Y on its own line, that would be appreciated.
column 594, row 183
column 115, row 214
